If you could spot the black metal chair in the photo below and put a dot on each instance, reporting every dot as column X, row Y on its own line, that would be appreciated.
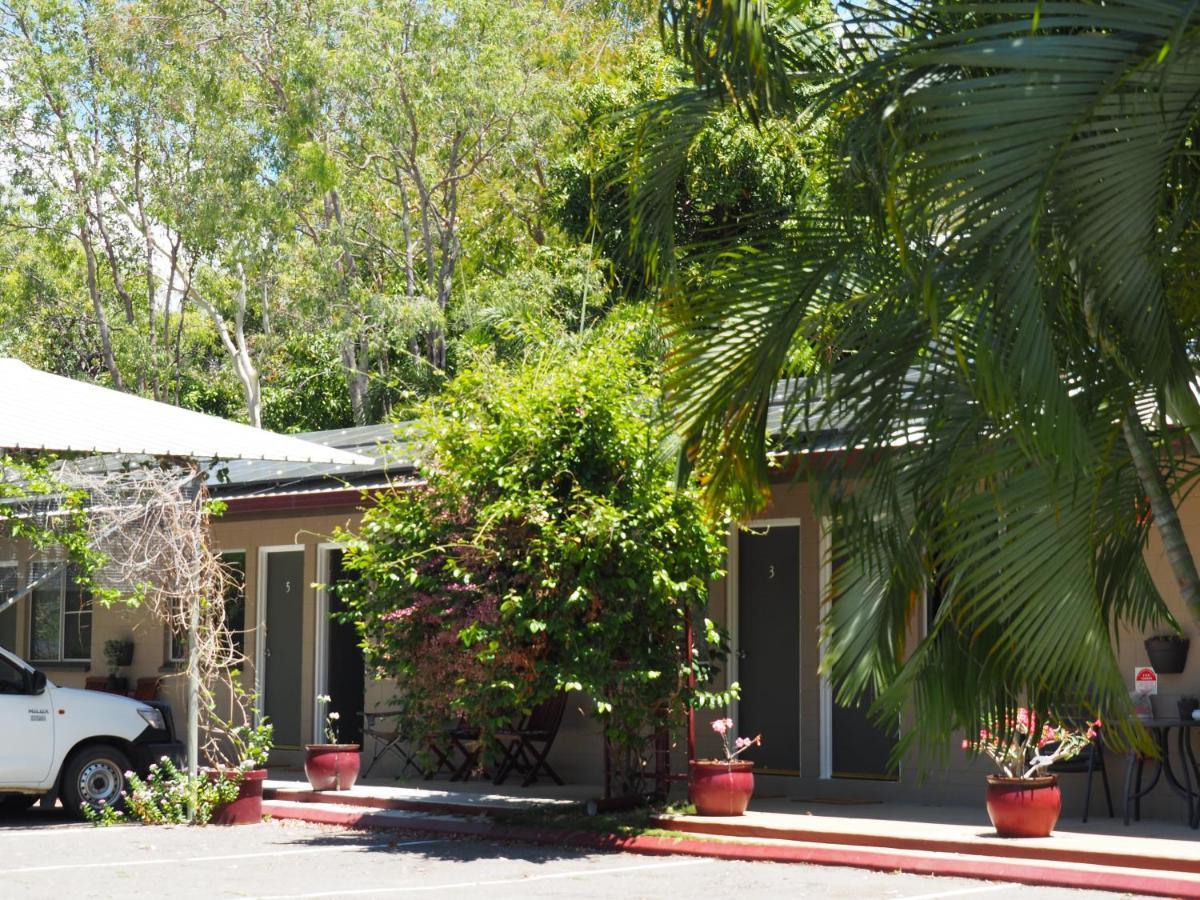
column 528, row 745
column 1091, row 761
column 388, row 740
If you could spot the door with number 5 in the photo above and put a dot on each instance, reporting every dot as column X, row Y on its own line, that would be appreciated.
column 282, row 601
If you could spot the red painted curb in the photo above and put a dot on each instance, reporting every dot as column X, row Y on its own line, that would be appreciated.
column 1009, row 850
column 984, row 869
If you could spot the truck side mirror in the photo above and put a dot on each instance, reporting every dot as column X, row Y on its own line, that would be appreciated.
column 37, row 682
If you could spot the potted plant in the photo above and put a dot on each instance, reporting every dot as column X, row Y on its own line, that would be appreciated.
column 722, row 787
column 252, row 747
column 117, row 653
column 1024, row 801
column 1167, row 653
column 332, row 765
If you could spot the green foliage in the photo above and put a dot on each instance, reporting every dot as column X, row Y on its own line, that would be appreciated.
column 29, row 479
column 252, row 743
column 986, row 280
column 546, row 552
column 163, row 797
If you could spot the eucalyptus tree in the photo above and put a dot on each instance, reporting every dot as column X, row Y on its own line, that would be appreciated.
column 988, row 303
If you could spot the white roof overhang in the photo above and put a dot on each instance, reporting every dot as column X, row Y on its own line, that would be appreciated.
column 40, row 411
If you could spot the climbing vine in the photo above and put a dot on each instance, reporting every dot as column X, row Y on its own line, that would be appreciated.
column 547, row 550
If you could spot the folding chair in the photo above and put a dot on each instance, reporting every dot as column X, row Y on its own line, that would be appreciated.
column 528, row 745
column 456, row 741
column 1090, row 761
column 387, row 740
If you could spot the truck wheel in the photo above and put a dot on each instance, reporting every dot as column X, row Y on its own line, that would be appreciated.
column 95, row 776
column 16, row 803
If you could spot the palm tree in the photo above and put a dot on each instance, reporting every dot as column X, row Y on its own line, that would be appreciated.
column 990, row 287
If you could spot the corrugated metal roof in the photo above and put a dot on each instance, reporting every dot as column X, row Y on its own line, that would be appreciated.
column 40, row 411
column 384, row 445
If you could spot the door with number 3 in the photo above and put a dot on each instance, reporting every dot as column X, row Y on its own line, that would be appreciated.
column 768, row 644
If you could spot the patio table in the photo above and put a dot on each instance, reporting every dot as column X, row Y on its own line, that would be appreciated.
column 1160, row 728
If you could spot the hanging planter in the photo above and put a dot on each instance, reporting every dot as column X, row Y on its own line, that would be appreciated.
column 1167, row 653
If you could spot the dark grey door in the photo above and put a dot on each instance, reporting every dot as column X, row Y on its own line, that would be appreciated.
column 345, row 659
column 769, row 645
column 860, row 746
column 283, row 647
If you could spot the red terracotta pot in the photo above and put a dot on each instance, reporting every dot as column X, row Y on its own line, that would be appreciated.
column 1023, row 807
column 331, row 767
column 721, row 788
column 247, row 808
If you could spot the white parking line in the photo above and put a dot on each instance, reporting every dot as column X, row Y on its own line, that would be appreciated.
column 963, row 892
column 464, row 885
column 196, row 859
column 44, row 831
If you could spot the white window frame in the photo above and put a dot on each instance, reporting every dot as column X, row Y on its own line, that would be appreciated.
column 62, row 616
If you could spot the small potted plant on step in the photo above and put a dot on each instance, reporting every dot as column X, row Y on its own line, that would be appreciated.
column 117, row 653
column 722, row 787
column 252, row 748
column 1023, row 801
column 332, row 765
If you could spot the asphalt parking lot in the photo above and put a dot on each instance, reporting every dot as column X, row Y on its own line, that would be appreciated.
column 48, row 856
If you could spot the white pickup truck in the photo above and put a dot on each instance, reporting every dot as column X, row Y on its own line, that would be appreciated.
column 58, row 742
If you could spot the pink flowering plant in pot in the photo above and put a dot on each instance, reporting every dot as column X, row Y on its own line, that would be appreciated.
column 1024, row 799
column 723, row 787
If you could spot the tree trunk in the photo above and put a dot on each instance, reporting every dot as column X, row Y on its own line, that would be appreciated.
column 356, row 379
column 93, row 285
column 1166, row 516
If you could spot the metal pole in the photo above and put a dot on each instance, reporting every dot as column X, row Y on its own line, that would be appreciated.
column 691, row 678
column 193, row 665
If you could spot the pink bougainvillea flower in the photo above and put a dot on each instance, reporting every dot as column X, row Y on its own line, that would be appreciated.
column 1023, row 719
column 720, row 726
column 742, row 743
column 965, row 744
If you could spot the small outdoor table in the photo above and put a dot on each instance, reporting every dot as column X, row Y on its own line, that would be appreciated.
column 1160, row 728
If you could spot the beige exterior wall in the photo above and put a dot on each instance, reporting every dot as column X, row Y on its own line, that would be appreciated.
column 578, row 754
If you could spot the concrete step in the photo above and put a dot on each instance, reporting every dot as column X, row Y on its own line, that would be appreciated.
column 413, row 799
column 1120, row 851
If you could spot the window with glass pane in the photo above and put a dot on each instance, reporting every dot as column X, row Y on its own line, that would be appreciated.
column 12, row 679
column 45, row 629
column 77, row 622
column 235, row 600
column 60, row 627
column 8, row 617
column 235, row 609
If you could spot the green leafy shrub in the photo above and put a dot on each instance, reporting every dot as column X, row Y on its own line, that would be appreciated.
column 162, row 798
column 547, row 551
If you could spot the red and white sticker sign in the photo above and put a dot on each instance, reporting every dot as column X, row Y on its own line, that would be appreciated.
column 1145, row 680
